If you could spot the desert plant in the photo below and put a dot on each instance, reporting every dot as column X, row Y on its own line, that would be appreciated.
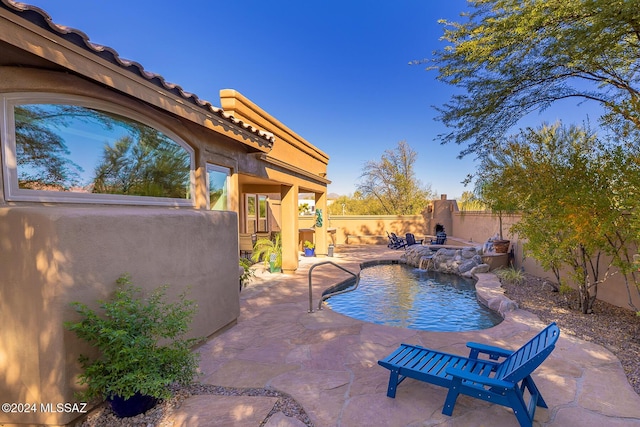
column 248, row 273
column 264, row 249
column 565, row 289
column 127, row 334
column 510, row 275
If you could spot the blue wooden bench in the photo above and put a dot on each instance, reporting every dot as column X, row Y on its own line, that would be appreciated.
column 501, row 382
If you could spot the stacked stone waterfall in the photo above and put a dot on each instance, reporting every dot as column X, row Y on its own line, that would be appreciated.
column 464, row 261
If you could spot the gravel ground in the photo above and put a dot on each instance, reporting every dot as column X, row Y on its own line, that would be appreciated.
column 615, row 328
column 162, row 414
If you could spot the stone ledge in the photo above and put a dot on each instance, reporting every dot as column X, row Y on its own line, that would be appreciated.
column 491, row 294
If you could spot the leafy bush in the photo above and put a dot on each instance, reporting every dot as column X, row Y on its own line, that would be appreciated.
column 264, row 249
column 248, row 273
column 127, row 334
column 510, row 275
column 565, row 289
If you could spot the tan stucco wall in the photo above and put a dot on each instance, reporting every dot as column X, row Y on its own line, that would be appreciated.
column 370, row 229
column 479, row 226
column 50, row 256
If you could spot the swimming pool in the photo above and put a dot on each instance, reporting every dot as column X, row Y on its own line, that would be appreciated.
column 399, row 295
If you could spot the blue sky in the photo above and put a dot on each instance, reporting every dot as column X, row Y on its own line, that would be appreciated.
column 336, row 72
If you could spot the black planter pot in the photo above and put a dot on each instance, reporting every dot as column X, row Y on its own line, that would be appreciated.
column 135, row 405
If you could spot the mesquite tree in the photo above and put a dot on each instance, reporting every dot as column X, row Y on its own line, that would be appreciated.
column 393, row 183
column 578, row 195
column 510, row 58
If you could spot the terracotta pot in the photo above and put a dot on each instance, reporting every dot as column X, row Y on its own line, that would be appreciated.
column 501, row 246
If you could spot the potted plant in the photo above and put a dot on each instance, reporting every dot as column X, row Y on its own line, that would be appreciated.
column 270, row 252
column 496, row 197
column 141, row 345
column 309, row 249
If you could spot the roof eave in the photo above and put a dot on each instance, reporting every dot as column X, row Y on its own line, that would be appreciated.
column 72, row 50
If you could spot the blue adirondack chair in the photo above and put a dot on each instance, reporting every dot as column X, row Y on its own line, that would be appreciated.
column 441, row 238
column 411, row 240
column 501, row 382
column 395, row 242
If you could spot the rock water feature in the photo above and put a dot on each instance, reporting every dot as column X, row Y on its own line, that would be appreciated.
column 464, row 261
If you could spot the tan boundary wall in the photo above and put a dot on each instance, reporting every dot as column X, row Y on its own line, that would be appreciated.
column 368, row 229
column 51, row 256
column 479, row 226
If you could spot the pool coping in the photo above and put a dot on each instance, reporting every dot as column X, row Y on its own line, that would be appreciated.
column 490, row 293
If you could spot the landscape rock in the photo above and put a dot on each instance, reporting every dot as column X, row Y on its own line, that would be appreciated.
column 466, row 266
column 415, row 253
column 480, row 268
column 468, row 253
column 463, row 261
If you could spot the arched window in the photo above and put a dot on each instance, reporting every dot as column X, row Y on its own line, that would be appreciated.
column 75, row 149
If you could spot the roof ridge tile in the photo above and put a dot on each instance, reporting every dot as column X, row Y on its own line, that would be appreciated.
column 42, row 19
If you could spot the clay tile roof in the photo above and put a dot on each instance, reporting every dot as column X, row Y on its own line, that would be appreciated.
column 40, row 18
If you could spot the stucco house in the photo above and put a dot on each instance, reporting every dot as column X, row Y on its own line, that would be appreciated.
column 109, row 169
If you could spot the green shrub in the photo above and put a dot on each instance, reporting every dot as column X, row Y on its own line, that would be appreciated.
column 565, row 289
column 248, row 273
column 510, row 275
column 268, row 250
column 127, row 335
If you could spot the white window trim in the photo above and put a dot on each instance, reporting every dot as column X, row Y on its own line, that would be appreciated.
column 221, row 169
column 9, row 166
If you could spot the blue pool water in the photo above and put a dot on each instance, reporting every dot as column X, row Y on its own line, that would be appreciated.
column 398, row 295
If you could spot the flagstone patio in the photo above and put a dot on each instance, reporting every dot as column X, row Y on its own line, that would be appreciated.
column 328, row 363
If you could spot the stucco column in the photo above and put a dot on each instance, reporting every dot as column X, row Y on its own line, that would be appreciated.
column 289, row 227
column 199, row 179
column 321, row 232
column 233, row 191
column 442, row 214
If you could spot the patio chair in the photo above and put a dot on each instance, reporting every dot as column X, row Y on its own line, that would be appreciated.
column 395, row 242
column 411, row 240
column 441, row 238
column 246, row 245
column 503, row 383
